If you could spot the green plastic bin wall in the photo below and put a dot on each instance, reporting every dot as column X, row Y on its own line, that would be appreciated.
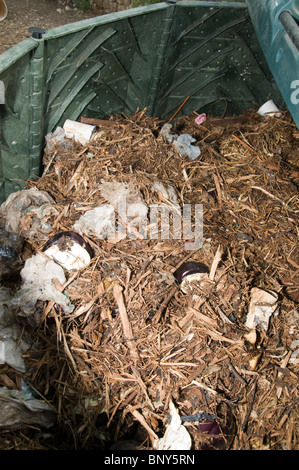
column 152, row 57
column 276, row 26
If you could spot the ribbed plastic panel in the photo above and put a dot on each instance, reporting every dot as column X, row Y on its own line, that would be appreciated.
column 152, row 57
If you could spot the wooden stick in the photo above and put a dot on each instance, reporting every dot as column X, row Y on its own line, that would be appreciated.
column 137, row 415
column 216, row 261
column 272, row 196
column 163, row 305
column 201, row 317
column 242, row 142
column 218, row 188
column 126, row 325
column 179, row 109
column 235, row 372
column 250, row 406
column 99, row 122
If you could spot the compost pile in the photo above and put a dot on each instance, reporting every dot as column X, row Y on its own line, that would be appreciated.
column 128, row 346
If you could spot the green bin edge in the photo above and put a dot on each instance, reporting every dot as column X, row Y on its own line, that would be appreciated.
column 279, row 41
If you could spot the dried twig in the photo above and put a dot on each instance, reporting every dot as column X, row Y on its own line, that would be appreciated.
column 216, row 261
column 127, row 328
column 179, row 109
column 250, row 406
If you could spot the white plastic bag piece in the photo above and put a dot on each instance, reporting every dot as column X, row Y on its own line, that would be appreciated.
column 78, row 131
column 176, row 436
column 123, row 199
column 37, row 276
column 126, row 200
column 10, row 348
column 168, row 193
column 18, row 408
column 57, row 140
column 99, row 222
column 166, row 133
column 181, row 142
column 183, row 145
column 12, row 343
column 16, row 207
column 263, row 303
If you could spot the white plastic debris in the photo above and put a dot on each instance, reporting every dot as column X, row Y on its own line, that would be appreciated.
column 168, row 193
column 126, row 200
column 20, row 203
column 78, row 131
column 181, row 142
column 17, row 408
column 294, row 359
column 269, row 109
column 12, row 343
column 176, row 436
column 292, row 322
column 183, row 145
column 166, row 133
column 136, row 210
column 115, row 192
column 99, row 222
column 57, row 140
column 37, row 276
column 263, row 303
column 10, row 351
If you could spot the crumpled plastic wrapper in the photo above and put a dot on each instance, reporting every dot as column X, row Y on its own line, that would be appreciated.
column 123, row 199
column 15, row 210
column 126, row 199
column 176, row 436
column 58, row 141
column 99, row 222
column 181, row 142
column 11, row 346
column 166, row 133
column 183, row 145
column 37, row 276
column 18, row 408
column 167, row 192
column 263, row 303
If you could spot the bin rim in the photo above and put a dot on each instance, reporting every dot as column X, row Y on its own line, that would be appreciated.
column 132, row 12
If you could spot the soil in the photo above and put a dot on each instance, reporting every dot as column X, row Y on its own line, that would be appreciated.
column 23, row 14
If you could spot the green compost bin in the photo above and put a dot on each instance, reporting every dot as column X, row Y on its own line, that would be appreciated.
column 147, row 57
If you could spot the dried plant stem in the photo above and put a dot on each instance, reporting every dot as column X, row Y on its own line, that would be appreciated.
column 263, row 190
column 127, row 328
column 137, row 415
column 215, row 263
